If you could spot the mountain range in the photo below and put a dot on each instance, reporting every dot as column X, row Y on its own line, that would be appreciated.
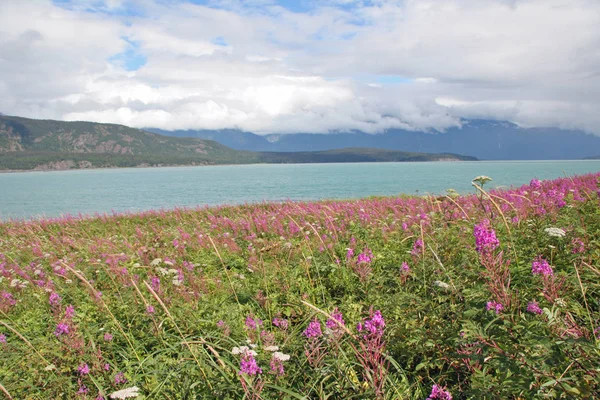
column 46, row 144
column 484, row 139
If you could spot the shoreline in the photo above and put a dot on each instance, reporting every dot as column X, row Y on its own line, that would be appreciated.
column 11, row 171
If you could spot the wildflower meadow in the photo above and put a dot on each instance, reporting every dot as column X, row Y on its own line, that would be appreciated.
column 491, row 295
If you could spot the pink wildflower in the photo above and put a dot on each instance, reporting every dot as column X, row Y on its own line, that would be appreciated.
column 539, row 266
column 485, row 237
column 2, row 338
column 336, row 320
column 108, row 337
column 366, row 256
column 248, row 365
column 83, row 369
column 417, row 248
column 69, row 312
column 54, row 299
column 535, row 184
column 373, row 325
column 252, row 323
column 577, row 246
column 61, row 329
column 494, row 306
column 404, row 267
column 281, row 323
column 313, row 329
column 439, row 393
column 120, row 378
column 349, row 253
column 534, row 308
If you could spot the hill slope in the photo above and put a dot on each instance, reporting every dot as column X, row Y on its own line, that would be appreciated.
column 46, row 144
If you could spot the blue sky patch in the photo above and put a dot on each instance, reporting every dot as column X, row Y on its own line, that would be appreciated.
column 220, row 41
column 131, row 59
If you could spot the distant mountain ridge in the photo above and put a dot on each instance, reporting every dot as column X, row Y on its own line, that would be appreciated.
column 484, row 139
column 47, row 144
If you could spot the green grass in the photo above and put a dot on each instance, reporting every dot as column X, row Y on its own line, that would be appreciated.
column 177, row 291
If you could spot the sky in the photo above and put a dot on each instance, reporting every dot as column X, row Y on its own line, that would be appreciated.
column 284, row 66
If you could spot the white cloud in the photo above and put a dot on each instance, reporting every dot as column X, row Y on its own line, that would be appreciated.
column 263, row 68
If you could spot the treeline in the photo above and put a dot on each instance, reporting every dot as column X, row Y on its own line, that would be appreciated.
column 47, row 160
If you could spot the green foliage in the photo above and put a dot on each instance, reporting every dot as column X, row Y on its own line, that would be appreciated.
column 205, row 272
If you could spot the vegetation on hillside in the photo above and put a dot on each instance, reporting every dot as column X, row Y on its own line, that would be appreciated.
column 357, row 154
column 27, row 144
column 492, row 295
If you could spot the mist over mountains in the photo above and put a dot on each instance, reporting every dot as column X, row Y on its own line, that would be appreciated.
column 484, row 139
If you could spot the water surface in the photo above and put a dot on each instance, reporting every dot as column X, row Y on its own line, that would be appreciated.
column 55, row 193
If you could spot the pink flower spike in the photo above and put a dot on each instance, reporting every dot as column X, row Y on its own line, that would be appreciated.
column 83, row 369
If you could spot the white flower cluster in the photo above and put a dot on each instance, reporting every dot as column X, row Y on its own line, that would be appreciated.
column 125, row 393
column 442, row 285
column 555, row 232
column 166, row 272
column 280, row 356
column 18, row 283
column 243, row 350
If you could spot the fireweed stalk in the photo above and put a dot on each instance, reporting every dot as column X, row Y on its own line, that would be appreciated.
column 250, row 373
column 314, row 348
column 370, row 351
column 497, row 272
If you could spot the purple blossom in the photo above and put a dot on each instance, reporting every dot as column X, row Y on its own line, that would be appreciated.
column 155, row 283
column 417, row 248
column 485, row 237
column 83, row 390
column 8, row 298
column 577, row 246
column 349, row 253
column 120, row 378
column 252, row 323
column 108, row 337
column 331, row 322
column 281, row 323
column 534, row 308
column 61, row 329
column 69, row 312
column 439, row 393
column 404, row 267
column 374, row 325
column 2, row 338
column 539, row 266
column 313, row 329
column 366, row 256
column 248, row 365
column 535, row 184
column 494, row 306
column 54, row 299
column 277, row 366
column 83, row 369
column 150, row 309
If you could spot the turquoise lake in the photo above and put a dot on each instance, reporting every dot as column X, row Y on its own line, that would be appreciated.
column 51, row 194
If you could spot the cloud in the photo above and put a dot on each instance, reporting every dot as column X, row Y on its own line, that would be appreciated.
column 272, row 66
